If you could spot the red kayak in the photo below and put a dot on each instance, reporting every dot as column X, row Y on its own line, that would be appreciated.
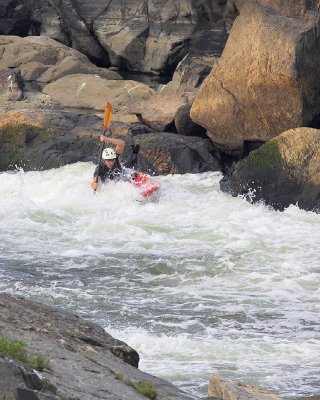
column 145, row 184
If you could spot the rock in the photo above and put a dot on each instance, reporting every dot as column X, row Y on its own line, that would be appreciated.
column 152, row 36
column 20, row 382
column 161, row 111
column 185, row 125
column 91, row 91
column 10, row 85
column 158, row 110
column 42, row 139
column 44, row 60
column 266, row 80
column 146, row 36
column 290, row 8
column 226, row 390
column 86, row 363
column 164, row 153
column 38, row 139
column 79, row 30
column 55, row 19
column 281, row 172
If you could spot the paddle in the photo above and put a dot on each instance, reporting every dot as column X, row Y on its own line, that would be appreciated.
column 106, row 122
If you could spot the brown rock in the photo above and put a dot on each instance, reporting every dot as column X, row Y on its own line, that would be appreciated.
column 266, row 80
column 158, row 111
column 43, row 59
column 91, row 91
column 290, row 8
column 226, row 390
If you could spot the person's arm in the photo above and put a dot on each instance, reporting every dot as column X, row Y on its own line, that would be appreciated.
column 95, row 183
column 119, row 143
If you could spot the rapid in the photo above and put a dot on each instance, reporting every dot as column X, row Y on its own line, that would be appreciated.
column 198, row 282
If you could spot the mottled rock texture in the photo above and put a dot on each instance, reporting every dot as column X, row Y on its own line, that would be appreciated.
column 86, row 363
column 283, row 171
column 137, row 35
column 267, row 79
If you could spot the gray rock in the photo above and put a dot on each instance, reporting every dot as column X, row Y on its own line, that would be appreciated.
column 10, row 85
column 144, row 35
column 164, row 153
column 36, row 139
column 86, row 363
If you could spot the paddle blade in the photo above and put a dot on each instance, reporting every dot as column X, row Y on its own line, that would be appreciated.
column 107, row 116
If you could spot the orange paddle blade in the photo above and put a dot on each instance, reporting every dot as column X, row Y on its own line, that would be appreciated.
column 107, row 115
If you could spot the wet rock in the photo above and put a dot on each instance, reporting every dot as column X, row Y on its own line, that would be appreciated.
column 41, row 139
column 168, row 153
column 86, row 363
column 281, row 172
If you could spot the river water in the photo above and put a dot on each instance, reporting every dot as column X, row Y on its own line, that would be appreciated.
column 198, row 282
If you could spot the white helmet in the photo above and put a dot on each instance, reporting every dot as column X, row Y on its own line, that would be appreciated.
column 108, row 154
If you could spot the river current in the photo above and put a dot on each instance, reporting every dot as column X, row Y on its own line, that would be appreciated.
column 198, row 282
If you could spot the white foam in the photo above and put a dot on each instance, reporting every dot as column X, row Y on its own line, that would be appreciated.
column 195, row 279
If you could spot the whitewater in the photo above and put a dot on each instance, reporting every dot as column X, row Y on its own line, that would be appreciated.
column 198, row 282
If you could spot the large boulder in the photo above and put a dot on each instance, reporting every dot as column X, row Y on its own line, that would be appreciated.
column 92, row 91
column 142, row 35
column 163, row 153
column 158, row 110
column 43, row 139
column 290, row 8
column 59, row 20
column 152, row 36
column 266, row 80
column 44, row 60
column 86, row 363
column 283, row 171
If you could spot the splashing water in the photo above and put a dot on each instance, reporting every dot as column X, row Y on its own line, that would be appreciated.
column 198, row 282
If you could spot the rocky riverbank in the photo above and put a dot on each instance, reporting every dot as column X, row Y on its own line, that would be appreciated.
column 79, row 360
column 239, row 73
column 83, row 361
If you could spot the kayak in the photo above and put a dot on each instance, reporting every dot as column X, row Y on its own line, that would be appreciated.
column 145, row 184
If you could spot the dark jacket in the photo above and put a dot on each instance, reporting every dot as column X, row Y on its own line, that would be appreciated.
column 115, row 173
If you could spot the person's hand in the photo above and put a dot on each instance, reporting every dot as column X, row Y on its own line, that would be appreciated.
column 94, row 185
column 103, row 138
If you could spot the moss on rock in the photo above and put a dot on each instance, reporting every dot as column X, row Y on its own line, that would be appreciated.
column 265, row 157
column 19, row 134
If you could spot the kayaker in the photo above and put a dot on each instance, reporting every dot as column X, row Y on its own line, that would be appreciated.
column 110, row 167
